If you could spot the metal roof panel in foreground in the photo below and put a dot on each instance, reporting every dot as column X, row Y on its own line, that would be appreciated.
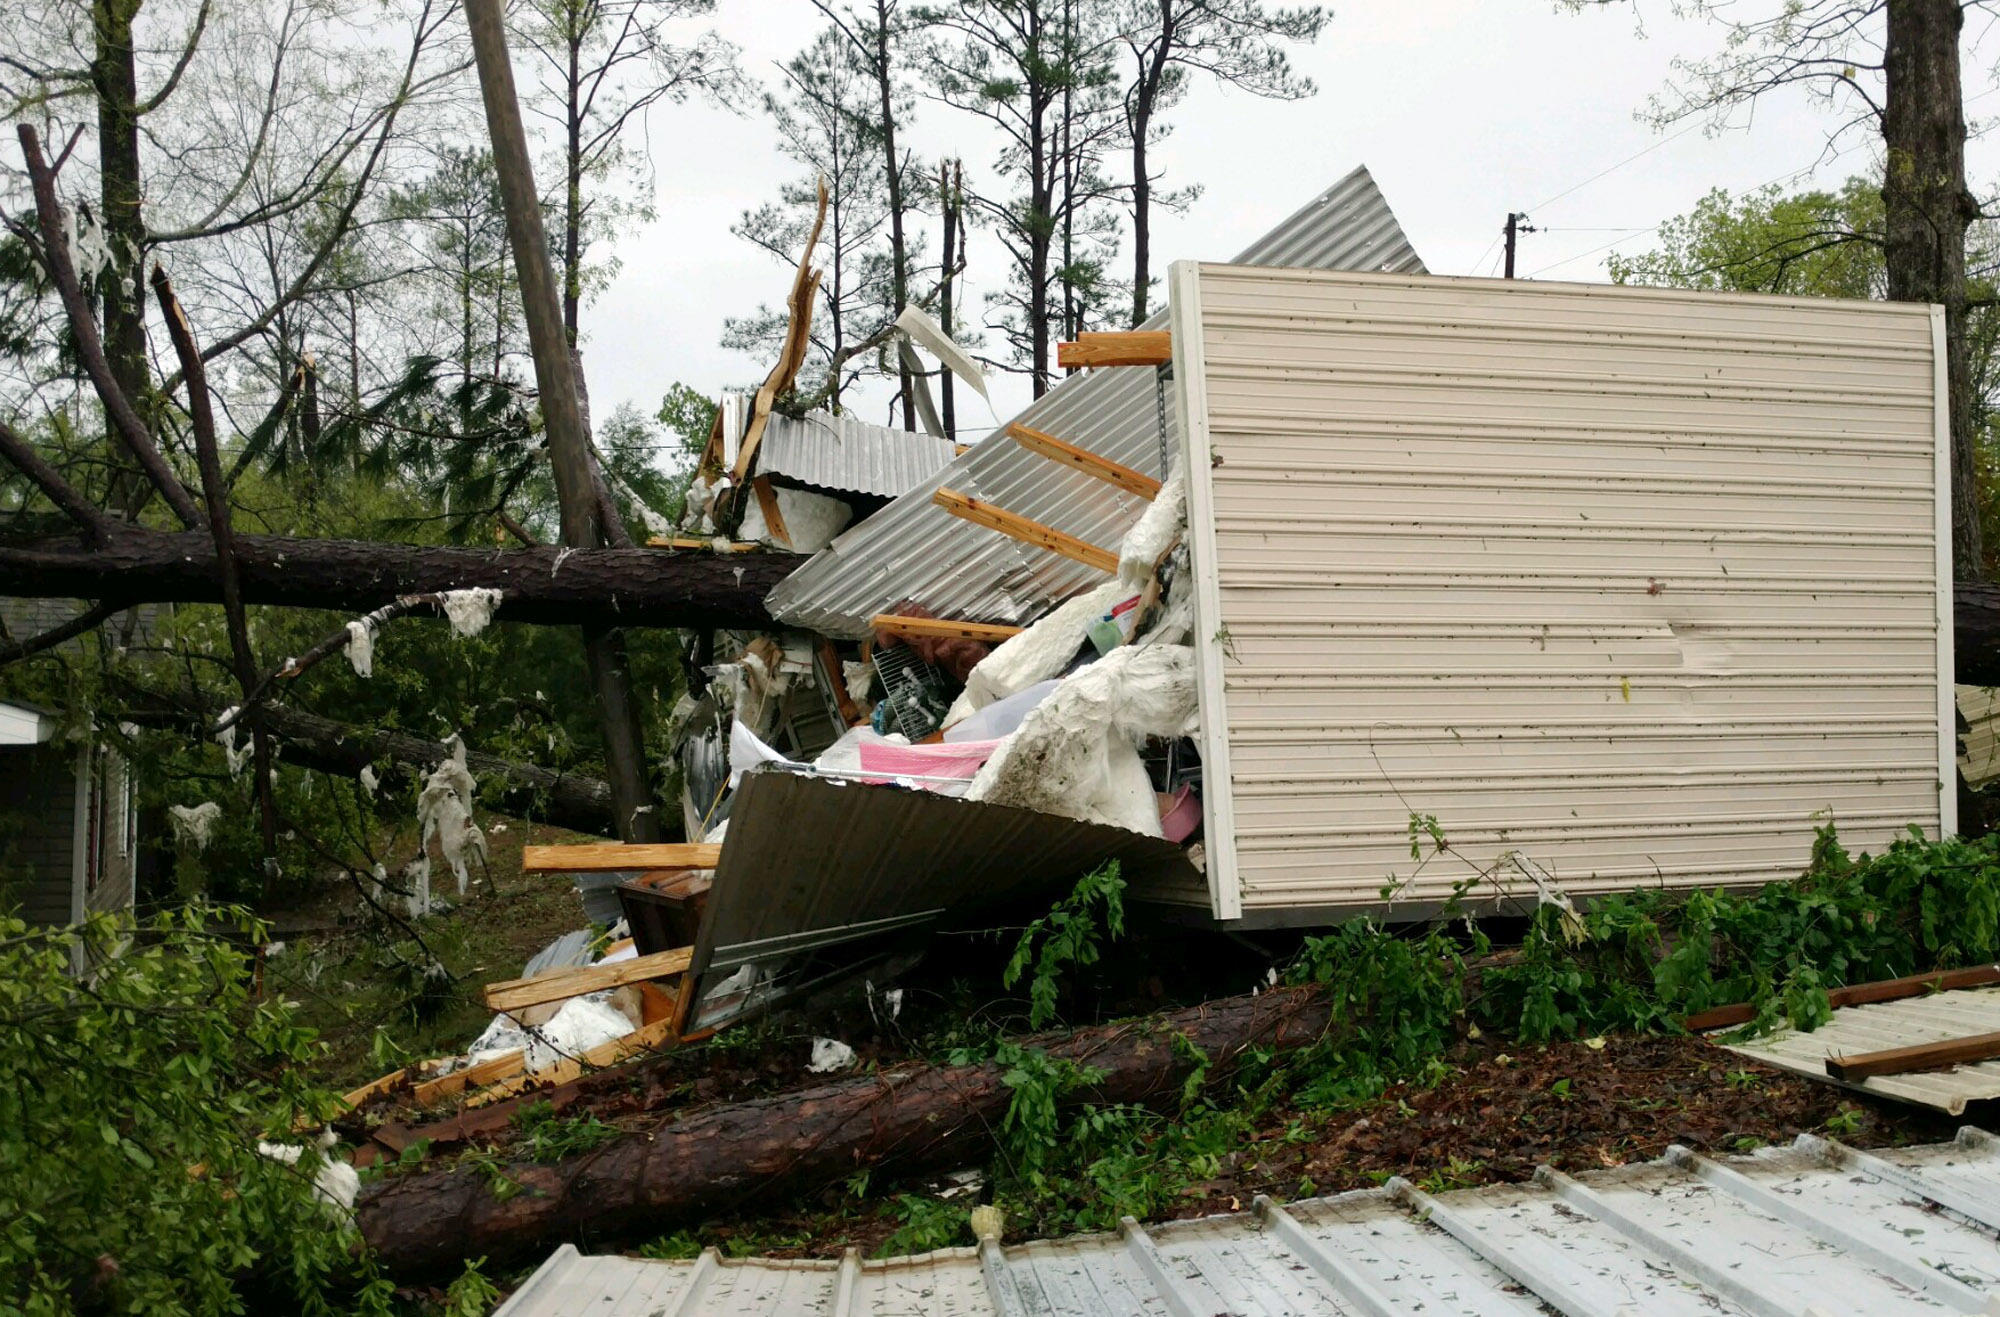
column 1904, row 1023
column 812, row 862
column 1812, row 1228
column 913, row 549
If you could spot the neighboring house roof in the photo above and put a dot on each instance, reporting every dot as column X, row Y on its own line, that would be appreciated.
column 1815, row 1227
column 847, row 455
column 24, row 724
column 25, row 619
column 913, row 549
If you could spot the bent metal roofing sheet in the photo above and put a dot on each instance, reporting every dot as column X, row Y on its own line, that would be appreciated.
column 915, row 550
column 1935, row 1018
column 1816, row 1227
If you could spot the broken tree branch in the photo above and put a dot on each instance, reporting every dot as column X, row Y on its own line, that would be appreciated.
column 21, row 455
column 567, row 800
column 548, row 585
column 89, row 619
column 90, row 348
column 208, row 459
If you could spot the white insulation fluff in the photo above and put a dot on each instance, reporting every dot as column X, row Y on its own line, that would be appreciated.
column 1154, row 532
column 444, row 810
column 1076, row 753
column 1040, row 652
column 194, row 823
column 470, row 611
column 336, row 1183
column 811, row 520
column 361, row 646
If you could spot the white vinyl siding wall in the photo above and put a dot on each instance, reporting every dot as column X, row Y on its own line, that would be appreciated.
column 1639, row 585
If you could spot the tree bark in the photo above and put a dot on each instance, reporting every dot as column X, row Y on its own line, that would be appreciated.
column 892, row 168
column 1926, row 210
column 570, row 458
column 120, row 289
column 567, row 800
column 546, row 585
column 919, row 1118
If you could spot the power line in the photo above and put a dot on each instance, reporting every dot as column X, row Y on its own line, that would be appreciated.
column 1611, row 169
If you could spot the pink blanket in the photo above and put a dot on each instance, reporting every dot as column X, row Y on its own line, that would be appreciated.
column 956, row 759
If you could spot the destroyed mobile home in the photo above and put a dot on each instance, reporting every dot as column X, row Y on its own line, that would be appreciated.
column 1628, row 587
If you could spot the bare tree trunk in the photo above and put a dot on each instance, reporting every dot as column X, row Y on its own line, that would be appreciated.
column 953, row 211
column 120, row 287
column 570, row 456
column 899, row 267
column 1926, row 210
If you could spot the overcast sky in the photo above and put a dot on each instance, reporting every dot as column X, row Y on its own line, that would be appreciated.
column 1462, row 111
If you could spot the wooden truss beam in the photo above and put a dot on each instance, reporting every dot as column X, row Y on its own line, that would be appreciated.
column 1028, row 531
column 613, row 857
column 1921, row 1056
column 556, row 985
column 1103, row 468
column 988, row 633
column 1136, row 347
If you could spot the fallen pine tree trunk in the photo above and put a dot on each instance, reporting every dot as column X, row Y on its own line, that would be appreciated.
column 913, row 1119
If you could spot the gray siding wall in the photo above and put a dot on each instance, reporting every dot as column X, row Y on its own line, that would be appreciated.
column 37, row 831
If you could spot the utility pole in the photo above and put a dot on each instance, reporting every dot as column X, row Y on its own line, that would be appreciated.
column 1516, row 224
column 562, row 415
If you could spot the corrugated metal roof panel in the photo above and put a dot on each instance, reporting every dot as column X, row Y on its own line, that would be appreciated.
column 846, row 453
column 1816, row 1227
column 812, row 862
column 1904, row 1023
column 1637, row 585
column 915, row 550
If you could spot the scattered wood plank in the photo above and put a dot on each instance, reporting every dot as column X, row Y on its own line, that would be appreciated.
column 643, row 1039
column 703, row 545
column 836, row 681
column 616, row 857
column 1859, row 994
column 558, row 984
column 1102, row 468
column 1135, row 347
column 990, row 633
column 474, row 1076
column 1024, row 529
column 1920, row 1056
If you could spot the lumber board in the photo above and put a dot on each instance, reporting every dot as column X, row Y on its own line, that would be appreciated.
column 558, row 984
column 1028, row 531
column 1920, row 1056
column 767, row 502
column 990, row 633
column 703, row 545
column 1134, row 347
column 490, row 1070
column 1082, row 459
column 616, row 857
column 642, row 1039
column 1859, row 994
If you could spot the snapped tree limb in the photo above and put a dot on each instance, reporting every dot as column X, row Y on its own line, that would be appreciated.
column 548, row 585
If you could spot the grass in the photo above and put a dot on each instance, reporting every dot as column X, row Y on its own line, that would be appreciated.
column 373, row 1015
